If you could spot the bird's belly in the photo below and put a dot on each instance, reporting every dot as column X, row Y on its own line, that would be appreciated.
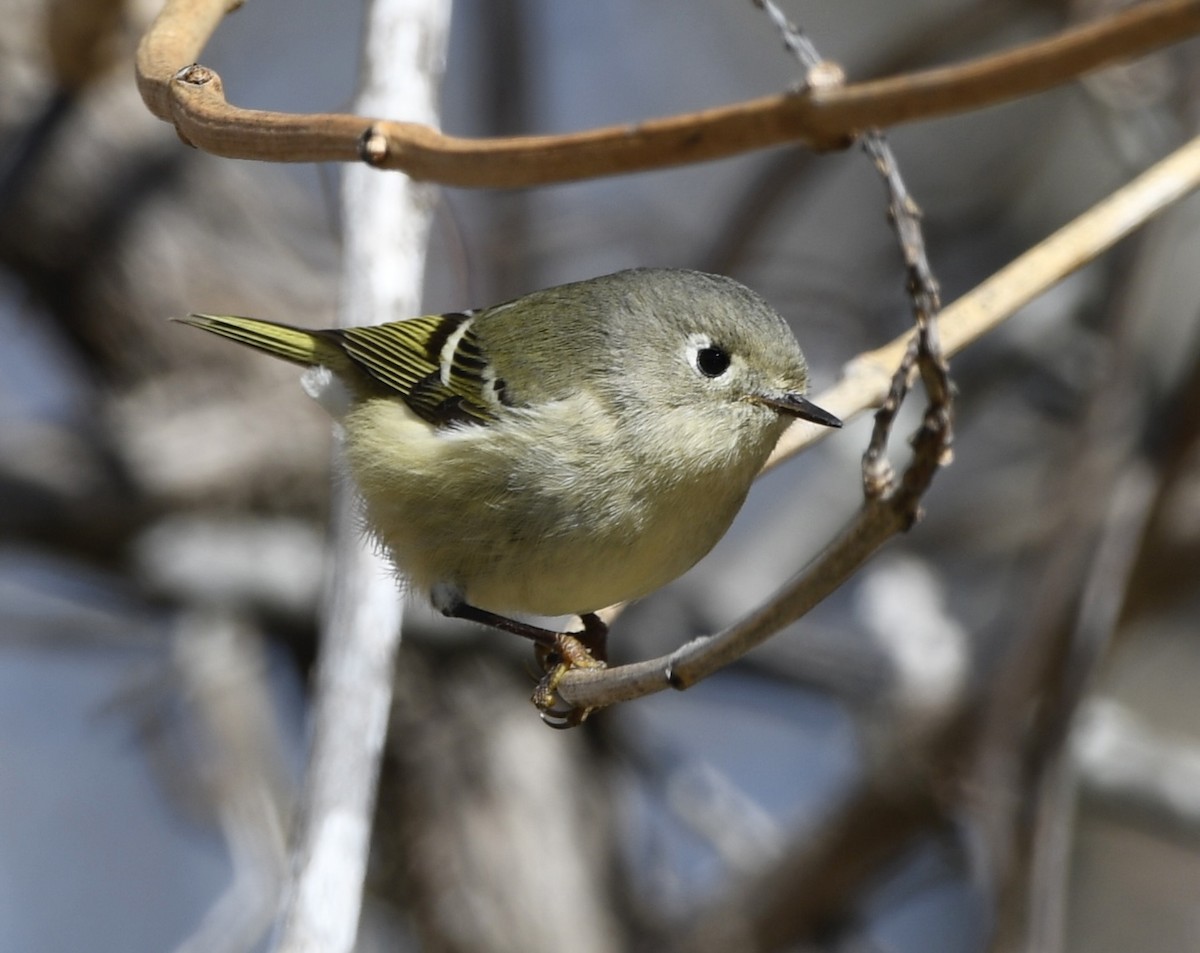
column 612, row 562
column 565, row 579
column 511, row 528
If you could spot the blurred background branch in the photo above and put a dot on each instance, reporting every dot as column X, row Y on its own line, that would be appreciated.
column 385, row 236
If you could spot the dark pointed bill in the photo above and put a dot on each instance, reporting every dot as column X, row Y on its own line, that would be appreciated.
column 799, row 406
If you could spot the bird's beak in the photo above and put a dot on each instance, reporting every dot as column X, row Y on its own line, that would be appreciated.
column 796, row 405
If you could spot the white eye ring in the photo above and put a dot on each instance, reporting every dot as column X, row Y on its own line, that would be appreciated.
column 708, row 359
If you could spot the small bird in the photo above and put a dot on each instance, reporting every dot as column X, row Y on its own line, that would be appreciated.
column 571, row 449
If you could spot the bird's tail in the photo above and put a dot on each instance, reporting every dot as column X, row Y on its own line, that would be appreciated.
column 297, row 345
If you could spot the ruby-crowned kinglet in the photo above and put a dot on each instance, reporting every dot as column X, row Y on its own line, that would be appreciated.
column 574, row 448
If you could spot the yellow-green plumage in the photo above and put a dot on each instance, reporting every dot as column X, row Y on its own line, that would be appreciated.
column 291, row 344
column 574, row 448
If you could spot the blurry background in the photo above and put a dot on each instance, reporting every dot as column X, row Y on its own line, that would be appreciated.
column 163, row 498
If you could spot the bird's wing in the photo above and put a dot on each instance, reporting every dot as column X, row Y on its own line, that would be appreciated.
column 434, row 363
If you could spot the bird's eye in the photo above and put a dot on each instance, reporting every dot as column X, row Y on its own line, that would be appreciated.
column 712, row 361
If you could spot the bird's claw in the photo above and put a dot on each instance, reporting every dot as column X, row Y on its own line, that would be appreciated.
column 567, row 653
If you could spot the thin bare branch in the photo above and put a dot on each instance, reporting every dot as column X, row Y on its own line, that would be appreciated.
column 866, row 379
column 924, row 354
column 823, row 115
column 924, row 351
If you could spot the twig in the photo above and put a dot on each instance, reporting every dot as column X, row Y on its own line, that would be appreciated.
column 865, row 384
column 866, row 379
column 924, row 350
column 824, row 115
column 795, row 40
column 924, row 353
column 387, row 222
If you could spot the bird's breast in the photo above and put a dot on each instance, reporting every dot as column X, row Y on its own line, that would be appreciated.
column 554, row 511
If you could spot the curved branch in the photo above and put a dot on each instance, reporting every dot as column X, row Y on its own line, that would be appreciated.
column 827, row 115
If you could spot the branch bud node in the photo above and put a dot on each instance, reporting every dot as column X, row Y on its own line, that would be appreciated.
column 372, row 147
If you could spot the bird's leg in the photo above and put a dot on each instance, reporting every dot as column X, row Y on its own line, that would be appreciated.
column 543, row 637
column 558, row 653
column 586, row 649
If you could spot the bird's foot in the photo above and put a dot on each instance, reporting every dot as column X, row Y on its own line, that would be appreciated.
column 571, row 650
column 557, row 654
